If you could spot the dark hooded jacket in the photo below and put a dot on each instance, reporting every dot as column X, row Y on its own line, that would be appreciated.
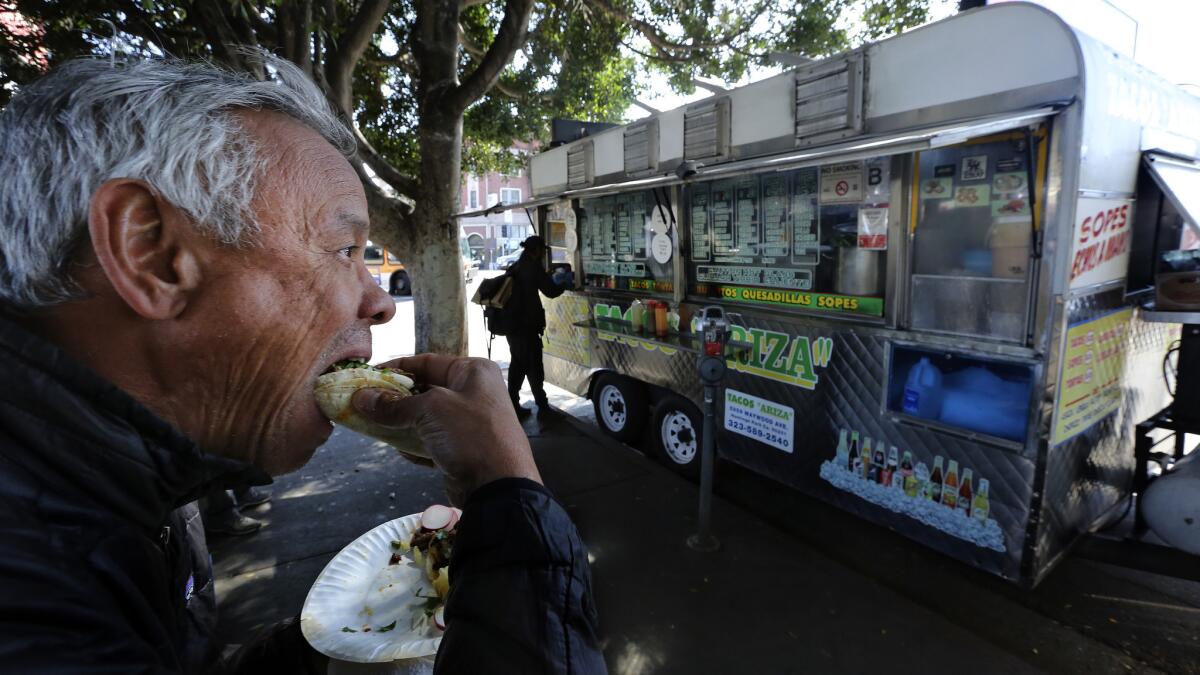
column 104, row 569
column 530, row 278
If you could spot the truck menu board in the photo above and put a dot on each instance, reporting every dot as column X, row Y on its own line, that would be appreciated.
column 615, row 238
column 792, row 231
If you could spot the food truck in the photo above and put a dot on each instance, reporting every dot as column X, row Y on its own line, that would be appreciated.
column 935, row 251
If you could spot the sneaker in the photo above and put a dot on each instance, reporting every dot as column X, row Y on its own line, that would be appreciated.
column 230, row 522
column 251, row 496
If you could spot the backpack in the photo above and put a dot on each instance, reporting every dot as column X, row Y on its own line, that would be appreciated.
column 499, row 315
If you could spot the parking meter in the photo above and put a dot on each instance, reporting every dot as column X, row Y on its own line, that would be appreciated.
column 714, row 330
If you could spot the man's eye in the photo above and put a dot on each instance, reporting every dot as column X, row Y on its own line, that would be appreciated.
column 349, row 251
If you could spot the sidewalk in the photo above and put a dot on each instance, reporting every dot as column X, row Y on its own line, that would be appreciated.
column 766, row 602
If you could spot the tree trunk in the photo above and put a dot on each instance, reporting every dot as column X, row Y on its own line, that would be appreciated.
column 435, row 261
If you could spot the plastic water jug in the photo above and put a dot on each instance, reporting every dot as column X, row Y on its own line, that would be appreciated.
column 923, row 390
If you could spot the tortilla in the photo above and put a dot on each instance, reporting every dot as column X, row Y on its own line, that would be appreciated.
column 334, row 391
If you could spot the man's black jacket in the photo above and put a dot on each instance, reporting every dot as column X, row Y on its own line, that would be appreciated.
column 529, row 277
column 98, row 572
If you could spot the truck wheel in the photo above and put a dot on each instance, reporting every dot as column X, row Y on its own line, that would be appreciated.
column 621, row 407
column 676, row 442
column 399, row 284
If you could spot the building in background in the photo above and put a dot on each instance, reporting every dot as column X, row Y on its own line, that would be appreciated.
column 501, row 231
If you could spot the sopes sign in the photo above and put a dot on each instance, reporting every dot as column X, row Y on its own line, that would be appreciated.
column 1100, row 250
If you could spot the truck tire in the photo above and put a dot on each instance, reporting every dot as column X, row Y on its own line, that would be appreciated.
column 621, row 407
column 676, row 435
column 400, row 284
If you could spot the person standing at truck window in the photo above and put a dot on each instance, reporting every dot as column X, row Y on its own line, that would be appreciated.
column 525, row 340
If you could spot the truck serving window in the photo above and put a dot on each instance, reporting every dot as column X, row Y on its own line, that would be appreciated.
column 813, row 238
column 616, row 235
column 973, row 238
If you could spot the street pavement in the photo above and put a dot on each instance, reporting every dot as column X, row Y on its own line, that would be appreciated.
column 796, row 587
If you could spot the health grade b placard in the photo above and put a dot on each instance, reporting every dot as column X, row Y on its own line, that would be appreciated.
column 762, row 420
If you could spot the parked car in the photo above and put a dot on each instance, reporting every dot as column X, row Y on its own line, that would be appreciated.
column 502, row 262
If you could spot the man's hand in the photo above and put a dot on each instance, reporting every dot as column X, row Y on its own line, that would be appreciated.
column 465, row 419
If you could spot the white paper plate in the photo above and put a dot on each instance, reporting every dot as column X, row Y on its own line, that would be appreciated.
column 358, row 587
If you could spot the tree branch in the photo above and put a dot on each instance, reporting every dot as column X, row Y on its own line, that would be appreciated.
column 664, row 46
column 514, row 28
column 405, row 185
column 468, row 45
column 217, row 30
column 391, row 217
column 339, row 63
column 478, row 53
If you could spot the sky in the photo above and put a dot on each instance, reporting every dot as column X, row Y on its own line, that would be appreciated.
column 1159, row 34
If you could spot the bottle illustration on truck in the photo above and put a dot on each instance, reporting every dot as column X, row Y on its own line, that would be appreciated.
column 947, row 498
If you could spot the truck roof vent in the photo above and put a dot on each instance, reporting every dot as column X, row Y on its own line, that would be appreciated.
column 829, row 100
column 641, row 147
column 706, row 129
column 579, row 165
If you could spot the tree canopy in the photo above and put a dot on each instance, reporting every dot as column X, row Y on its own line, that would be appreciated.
column 583, row 59
column 433, row 87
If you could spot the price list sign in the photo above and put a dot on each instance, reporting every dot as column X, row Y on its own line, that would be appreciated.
column 722, row 218
column 1093, row 362
column 746, row 224
column 636, row 208
column 806, row 229
column 600, row 225
column 775, row 217
column 701, row 242
column 624, row 221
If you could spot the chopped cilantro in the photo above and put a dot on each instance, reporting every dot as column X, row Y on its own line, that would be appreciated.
column 388, row 627
column 396, row 544
column 348, row 629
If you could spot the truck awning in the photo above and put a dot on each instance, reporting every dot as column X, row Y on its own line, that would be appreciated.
column 1179, row 180
column 912, row 140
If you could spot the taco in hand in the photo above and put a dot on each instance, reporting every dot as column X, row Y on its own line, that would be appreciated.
column 336, row 387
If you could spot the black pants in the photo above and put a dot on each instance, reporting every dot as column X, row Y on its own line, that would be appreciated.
column 525, row 354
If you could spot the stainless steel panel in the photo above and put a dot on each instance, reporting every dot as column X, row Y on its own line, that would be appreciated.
column 847, row 394
column 992, row 308
column 1090, row 473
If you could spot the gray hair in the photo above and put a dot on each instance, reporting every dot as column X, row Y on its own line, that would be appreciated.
column 163, row 121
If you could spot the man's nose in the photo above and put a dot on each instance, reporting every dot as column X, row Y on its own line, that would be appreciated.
column 377, row 304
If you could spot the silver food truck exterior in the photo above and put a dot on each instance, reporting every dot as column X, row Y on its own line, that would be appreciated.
column 925, row 245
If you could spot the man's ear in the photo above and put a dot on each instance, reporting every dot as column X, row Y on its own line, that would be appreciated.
column 141, row 243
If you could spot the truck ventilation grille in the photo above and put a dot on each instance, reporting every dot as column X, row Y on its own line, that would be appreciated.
column 641, row 147
column 829, row 100
column 579, row 165
column 706, row 129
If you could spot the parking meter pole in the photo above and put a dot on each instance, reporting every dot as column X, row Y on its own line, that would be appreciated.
column 704, row 540
column 711, row 367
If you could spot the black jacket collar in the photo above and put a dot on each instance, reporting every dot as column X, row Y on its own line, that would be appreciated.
column 80, row 433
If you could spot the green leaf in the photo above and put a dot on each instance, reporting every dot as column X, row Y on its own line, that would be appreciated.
column 348, row 629
column 388, row 627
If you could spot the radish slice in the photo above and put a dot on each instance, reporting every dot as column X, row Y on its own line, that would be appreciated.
column 439, row 617
column 436, row 517
column 454, row 514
